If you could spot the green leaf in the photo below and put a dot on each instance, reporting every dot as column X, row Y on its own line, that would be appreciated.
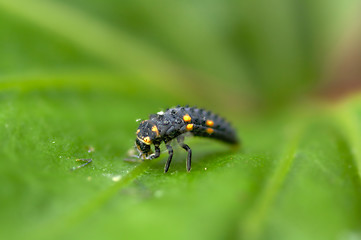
column 292, row 179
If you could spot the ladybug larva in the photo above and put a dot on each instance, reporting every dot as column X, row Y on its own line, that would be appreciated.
column 176, row 123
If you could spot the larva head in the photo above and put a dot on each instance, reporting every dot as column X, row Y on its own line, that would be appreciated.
column 146, row 133
column 143, row 149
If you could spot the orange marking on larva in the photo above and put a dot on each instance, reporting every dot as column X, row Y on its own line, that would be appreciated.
column 209, row 130
column 146, row 139
column 209, row 123
column 189, row 127
column 187, row 118
column 138, row 131
column 155, row 129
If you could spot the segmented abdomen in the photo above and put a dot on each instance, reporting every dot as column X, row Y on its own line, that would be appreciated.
column 179, row 120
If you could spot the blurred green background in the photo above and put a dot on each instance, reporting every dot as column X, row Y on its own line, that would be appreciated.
column 75, row 75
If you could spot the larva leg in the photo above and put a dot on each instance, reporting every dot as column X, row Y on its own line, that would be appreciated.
column 170, row 152
column 156, row 154
column 188, row 149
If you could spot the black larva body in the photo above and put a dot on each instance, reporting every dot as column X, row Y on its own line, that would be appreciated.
column 175, row 123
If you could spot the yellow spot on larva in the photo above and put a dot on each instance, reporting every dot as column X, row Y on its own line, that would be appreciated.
column 209, row 123
column 187, row 118
column 146, row 139
column 138, row 131
column 189, row 127
column 209, row 130
column 155, row 129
